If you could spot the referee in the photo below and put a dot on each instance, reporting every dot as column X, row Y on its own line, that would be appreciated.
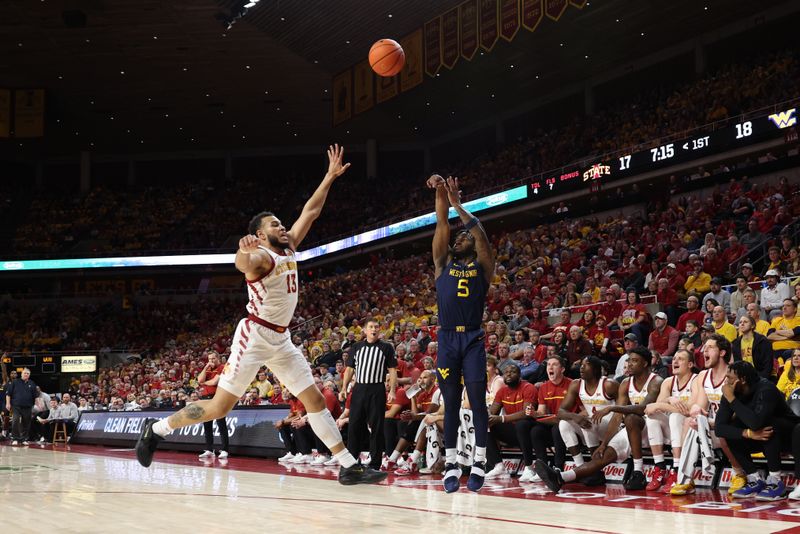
column 370, row 361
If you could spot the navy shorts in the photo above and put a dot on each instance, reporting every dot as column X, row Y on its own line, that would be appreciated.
column 461, row 354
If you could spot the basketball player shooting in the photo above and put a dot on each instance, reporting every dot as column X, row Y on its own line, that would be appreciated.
column 463, row 274
column 266, row 257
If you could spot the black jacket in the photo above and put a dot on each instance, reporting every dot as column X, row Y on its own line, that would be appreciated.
column 763, row 359
column 22, row 393
column 761, row 408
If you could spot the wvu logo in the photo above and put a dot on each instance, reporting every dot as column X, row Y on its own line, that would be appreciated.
column 444, row 372
column 784, row 119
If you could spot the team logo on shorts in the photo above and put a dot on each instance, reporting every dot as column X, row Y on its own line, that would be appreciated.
column 444, row 372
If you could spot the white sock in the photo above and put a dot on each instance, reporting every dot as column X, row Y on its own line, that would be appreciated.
column 162, row 428
column 395, row 455
column 578, row 459
column 774, row 477
column 753, row 477
column 415, row 456
column 569, row 476
column 450, row 456
column 345, row 458
column 658, row 458
column 638, row 465
column 480, row 454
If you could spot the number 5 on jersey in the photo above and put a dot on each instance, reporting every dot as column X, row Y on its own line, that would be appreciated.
column 463, row 287
column 291, row 283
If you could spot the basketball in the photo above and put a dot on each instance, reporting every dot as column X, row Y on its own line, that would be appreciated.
column 386, row 57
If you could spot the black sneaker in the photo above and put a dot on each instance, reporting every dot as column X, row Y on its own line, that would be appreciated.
column 636, row 482
column 358, row 474
column 549, row 476
column 596, row 479
column 148, row 443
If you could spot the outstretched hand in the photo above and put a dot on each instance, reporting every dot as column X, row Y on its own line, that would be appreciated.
column 249, row 244
column 335, row 166
column 453, row 192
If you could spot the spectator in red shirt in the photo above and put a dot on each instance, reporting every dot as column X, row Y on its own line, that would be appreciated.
column 513, row 426
column 663, row 338
column 296, row 435
column 713, row 264
column 668, row 298
column 611, row 310
column 393, row 419
column 693, row 312
column 599, row 335
column 538, row 321
column 734, row 252
column 208, row 379
column 577, row 348
column 675, row 279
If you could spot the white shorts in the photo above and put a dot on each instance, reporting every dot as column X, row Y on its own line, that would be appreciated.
column 622, row 445
column 572, row 432
column 255, row 345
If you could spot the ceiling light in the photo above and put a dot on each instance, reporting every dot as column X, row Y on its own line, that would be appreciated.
column 390, row 15
column 250, row 4
column 122, row 72
column 283, row 19
column 19, row 44
column 185, row 69
column 155, row 37
column 247, row 66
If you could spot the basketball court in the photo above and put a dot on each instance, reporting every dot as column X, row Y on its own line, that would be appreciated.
column 94, row 489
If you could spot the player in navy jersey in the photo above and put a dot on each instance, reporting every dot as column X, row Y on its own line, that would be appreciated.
column 463, row 274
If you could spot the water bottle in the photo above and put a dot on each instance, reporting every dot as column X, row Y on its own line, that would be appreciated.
column 413, row 391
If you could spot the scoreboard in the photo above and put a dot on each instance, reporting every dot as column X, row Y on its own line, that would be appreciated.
column 738, row 134
column 49, row 364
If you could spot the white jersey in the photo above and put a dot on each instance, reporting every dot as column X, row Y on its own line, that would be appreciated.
column 714, row 393
column 597, row 400
column 637, row 396
column 273, row 297
column 683, row 394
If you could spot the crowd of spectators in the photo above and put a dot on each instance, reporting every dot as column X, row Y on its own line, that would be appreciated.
column 198, row 215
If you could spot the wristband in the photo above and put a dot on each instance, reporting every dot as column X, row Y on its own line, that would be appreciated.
column 472, row 223
column 748, row 433
column 502, row 418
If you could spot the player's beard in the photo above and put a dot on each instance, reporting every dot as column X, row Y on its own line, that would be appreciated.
column 462, row 254
column 275, row 242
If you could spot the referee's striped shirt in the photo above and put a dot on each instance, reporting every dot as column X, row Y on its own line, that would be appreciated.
column 371, row 361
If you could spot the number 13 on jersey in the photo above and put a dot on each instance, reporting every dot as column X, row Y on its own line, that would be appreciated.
column 291, row 283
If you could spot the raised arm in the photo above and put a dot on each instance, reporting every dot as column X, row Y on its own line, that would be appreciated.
column 251, row 260
column 441, row 236
column 483, row 247
column 313, row 207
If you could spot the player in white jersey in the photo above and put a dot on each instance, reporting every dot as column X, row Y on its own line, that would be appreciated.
column 706, row 396
column 635, row 392
column 267, row 260
column 595, row 392
column 665, row 418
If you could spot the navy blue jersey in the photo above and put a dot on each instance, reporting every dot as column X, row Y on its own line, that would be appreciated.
column 461, row 296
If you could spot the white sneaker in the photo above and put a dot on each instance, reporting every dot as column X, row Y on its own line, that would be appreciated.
column 26, row 443
column 286, row 457
column 41, row 439
column 795, row 494
column 223, row 455
column 205, row 454
column 302, row 459
column 15, row 442
column 498, row 471
column 528, row 475
column 320, row 459
column 333, row 461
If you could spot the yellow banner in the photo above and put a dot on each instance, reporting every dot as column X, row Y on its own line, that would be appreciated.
column 450, row 47
column 509, row 19
column 29, row 113
column 577, row 3
column 555, row 8
column 387, row 88
column 5, row 113
column 411, row 75
column 488, row 14
column 342, row 96
column 433, row 46
column 364, row 89
column 468, row 22
column 532, row 13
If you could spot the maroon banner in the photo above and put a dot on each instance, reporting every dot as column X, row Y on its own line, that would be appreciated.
column 433, row 46
column 450, row 49
column 509, row 19
column 555, row 8
column 489, row 17
column 468, row 21
column 532, row 13
column 577, row 3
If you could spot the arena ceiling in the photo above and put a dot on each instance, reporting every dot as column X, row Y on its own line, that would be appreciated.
column 149, row 75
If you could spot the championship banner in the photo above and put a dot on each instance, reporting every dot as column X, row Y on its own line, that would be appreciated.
column 578, row 3
column 251, row 430
column 468, row 23
column 29, row 113
column 5, row 113
column 450, row 49
column 509, row 19
column 433, row 46
column 411, row 75
column 489, row 15
column 555, row 8
column 364, row 89
column 532, row 13
column 342, row 97
column 387, row 88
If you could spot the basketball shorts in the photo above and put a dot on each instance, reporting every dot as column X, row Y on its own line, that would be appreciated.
column 621, row 444
column 255, row 345
column 461, row 354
